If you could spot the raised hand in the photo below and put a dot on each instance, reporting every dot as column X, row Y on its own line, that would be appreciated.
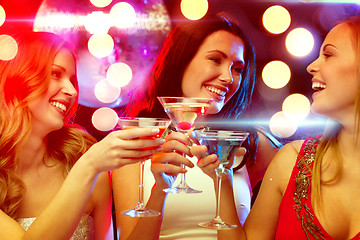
column 208, row 163
column 123, row 147
column 165, row 165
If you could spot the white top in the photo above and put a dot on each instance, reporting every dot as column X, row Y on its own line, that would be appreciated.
column 184, row 211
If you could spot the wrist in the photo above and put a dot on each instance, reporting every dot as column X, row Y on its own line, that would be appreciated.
column 85, row 171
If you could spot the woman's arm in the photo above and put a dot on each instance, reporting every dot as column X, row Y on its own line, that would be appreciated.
column 102, row 212
column 263, row 218
column 265, row 152
column 61, row 217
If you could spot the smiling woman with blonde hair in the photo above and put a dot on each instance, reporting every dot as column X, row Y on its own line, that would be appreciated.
column 54, row 180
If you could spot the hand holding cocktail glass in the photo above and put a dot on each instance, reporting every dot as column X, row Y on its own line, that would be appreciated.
column 224, row 144
column 183, row 112
column 130, row 123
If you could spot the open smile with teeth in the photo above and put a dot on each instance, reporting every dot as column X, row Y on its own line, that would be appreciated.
column 216, row 90
column 318, row 86
column 61, row 106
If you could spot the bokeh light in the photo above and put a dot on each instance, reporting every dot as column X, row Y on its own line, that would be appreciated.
column 105, row 92
column 119, row 74
column 276, row 19
column 299, row 42
column 104, row 119
column 137, row 46
column 8, row 47
column 276, row 74
column 2, row 15
column 194, row 9
column 123, row 15
column 281, row 126
column 101, row 45
column 100, row 3
column 97, row 22
column 296, row 107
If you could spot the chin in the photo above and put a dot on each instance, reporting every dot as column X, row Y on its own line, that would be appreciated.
column 57, row 126
column 213, row 109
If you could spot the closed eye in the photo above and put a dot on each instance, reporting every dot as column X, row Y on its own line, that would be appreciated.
column 239, row 70
column 239, row 67
column 327, row 55
column 215, row 60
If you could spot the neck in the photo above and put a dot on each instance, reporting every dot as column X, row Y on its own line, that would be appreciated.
column 32, row 153
column 349, row 143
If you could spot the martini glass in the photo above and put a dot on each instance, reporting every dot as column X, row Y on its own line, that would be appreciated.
column 223, row 144
column 183, row 112
column 126, row 123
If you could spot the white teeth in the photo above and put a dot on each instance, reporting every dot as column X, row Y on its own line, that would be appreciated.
column 215, row 90
column 59, row 105
column 318, row 86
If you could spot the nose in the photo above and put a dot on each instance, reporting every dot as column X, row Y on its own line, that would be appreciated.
column 313, row 67
column 69, row 89
column 226, row 75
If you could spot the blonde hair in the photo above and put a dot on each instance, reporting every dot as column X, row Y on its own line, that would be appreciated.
column 330, row 139
column 24, row 79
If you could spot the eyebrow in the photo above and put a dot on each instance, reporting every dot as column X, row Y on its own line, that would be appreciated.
column 224, row 55
column 328, row 45
column 62, row 68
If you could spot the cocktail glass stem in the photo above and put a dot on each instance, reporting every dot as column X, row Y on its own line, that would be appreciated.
column 139, row 210
column 218, row 194
column 217, row 222
column 182, row 187
column 141, row 206
column 182, row 177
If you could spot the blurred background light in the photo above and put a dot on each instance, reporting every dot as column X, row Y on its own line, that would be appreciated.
column 281, row 126
column 137, row 46
column 123, row 15
column 101, row 45
column 331, row 1
column 296, row 106
column 100, row 3
column 194, row 9
column 8, row 47
column 276, row 74
column 2, row 15
column 97, row 22
column 119, row 74
column 299, row 42
column 104, row 119
column 105, row 92
column 61, row 21
column 276, row 19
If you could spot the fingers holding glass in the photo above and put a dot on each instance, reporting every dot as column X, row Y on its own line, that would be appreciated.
column 146, row 144
column 225, row 145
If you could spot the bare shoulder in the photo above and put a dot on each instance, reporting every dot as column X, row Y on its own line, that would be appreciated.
column 287, row 154
column 283, row 163
column 10, row 229
column 102, row 190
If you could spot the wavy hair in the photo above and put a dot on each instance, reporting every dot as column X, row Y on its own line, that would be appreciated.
column 24, row 79
column 178, row 50
column 330, row 138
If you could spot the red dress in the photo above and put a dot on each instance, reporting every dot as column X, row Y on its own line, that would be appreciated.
column 297, row 220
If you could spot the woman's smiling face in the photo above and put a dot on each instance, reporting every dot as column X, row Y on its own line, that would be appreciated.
column 215, row 71
column 335, row 77
column 49, row 111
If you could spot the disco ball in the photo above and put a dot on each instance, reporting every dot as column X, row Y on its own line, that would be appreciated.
column 137, row 45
